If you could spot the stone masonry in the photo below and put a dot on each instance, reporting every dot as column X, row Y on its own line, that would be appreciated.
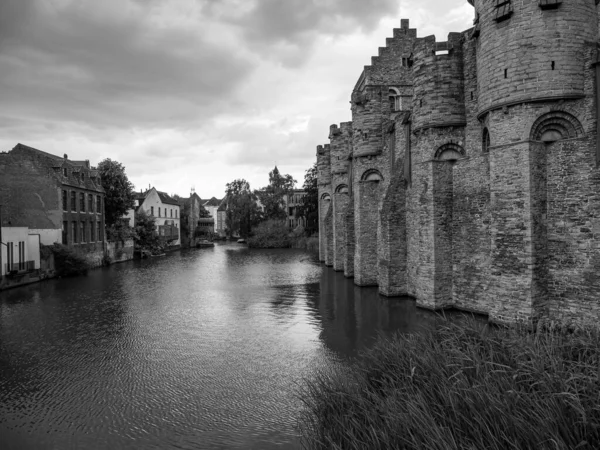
column 468, row 177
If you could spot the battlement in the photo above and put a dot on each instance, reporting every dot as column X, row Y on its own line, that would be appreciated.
column 428, row 46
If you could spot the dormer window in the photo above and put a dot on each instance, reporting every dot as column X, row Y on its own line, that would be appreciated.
column 550, row 4
column 65, row 173
column 503, row 10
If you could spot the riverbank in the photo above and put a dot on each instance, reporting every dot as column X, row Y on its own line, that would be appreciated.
column 462, row 386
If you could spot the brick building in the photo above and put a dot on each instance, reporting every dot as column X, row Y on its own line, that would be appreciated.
column 59, row 199
column 469, row 175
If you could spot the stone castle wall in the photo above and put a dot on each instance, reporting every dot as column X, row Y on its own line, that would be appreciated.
column 478, row 187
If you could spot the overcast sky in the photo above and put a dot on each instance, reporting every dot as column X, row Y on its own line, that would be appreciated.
column 193, row 93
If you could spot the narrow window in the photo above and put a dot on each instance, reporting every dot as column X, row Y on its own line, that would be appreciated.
column 82, row 202
column 65, row 233
column 10, row 255
column 471, row 95
column 73, row 201
column 90, row 203
column 99, row 205
column 152, row 210
column 159, row 211
column 82, row 230
column 99, row 230
column 505, row 73
column 552, row 65
column 74, row 232
column 65, row 202
column 92, row 231
column 171, row 212
column 485, row 141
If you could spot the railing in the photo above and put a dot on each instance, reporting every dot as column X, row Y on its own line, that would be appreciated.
column 19, row 267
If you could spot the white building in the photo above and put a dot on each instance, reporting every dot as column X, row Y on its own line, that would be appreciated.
column 166, row 212
column 20, row 250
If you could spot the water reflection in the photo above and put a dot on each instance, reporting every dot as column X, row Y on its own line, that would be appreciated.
column 199, row 349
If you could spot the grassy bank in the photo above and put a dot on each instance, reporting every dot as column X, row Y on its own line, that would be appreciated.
column 462, row 387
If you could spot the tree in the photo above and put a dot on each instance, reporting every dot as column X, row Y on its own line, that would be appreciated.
column 118, row 191
column 310, row 201
column 203, row 213
column 146, row 237
column 242, row 212
column 273, row 196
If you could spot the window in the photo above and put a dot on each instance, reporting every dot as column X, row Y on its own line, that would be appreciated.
column 65, row 173
column 10, row 256
column 152, row 210
column 485, row 141
column 176, row 214
column 90, row 203
column 92, row 231
column 83, row 230
column 65, row 202
column 99, row 231
column 159, row 211
column 21, row 255
column 99, row 205
column 81, row 202
column 65, row 234
column 73, row 201
column 550, row 4
column 171, row 212
column 74, row 232
column 449, row 152
column 503, row 10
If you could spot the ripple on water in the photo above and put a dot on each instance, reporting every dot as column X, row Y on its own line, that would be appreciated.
column 200, row 349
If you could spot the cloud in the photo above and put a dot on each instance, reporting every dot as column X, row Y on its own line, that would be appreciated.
column 109, row 63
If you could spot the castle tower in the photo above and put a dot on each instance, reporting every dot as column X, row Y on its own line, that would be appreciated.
column 438, row 121
column 536, row 103
column 341, row 151
column 325, row 208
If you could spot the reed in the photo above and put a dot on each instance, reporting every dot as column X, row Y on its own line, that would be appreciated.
column 461, row 386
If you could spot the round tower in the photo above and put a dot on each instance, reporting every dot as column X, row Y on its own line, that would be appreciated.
column 531, row 50
column 438, row 99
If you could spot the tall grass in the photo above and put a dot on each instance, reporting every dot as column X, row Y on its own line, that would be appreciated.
column 461, row 387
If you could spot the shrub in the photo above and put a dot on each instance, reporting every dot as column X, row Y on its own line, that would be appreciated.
column 68, row 262
column 270, row 234
column 461, row 387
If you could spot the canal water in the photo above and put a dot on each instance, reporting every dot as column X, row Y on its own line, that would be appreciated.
column 201, row 349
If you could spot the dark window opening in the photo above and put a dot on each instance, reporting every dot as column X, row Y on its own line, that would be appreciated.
column 505, row 73
column 485, row 141
column 553, row 65
column 73, row 201
column 549, row 4
column 503, row 10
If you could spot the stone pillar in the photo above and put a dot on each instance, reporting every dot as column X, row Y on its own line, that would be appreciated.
column 365, row 259
column 392, row 276
column 340, row 205
column 349, row 238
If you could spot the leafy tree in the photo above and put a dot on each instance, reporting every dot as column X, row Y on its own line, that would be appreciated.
column 118, row 191
column 273, row 196
column 203, row 213
column 242, row 211
column 310, row 202
column 146, row 237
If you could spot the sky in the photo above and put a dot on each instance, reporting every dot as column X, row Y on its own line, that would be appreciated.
column 194, row 93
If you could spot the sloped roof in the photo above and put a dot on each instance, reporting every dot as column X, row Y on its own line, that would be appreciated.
column 167, row 199
column 212, row 202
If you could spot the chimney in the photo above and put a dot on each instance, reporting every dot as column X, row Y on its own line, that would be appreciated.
column 66, row 156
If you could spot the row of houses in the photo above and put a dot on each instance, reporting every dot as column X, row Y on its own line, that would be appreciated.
column 47, row 199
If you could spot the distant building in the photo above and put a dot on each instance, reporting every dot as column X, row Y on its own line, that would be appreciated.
column 166, row 212
column 293, row 203
column 193, row 227
column 55, row 198
column 212, row 207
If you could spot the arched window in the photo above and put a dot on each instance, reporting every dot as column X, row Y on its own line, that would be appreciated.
column 394, row 97
column 449, row 152
column 326, row 197
column 372, row 175
column 554, row 126
column 485, row 141
column 341, row 189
